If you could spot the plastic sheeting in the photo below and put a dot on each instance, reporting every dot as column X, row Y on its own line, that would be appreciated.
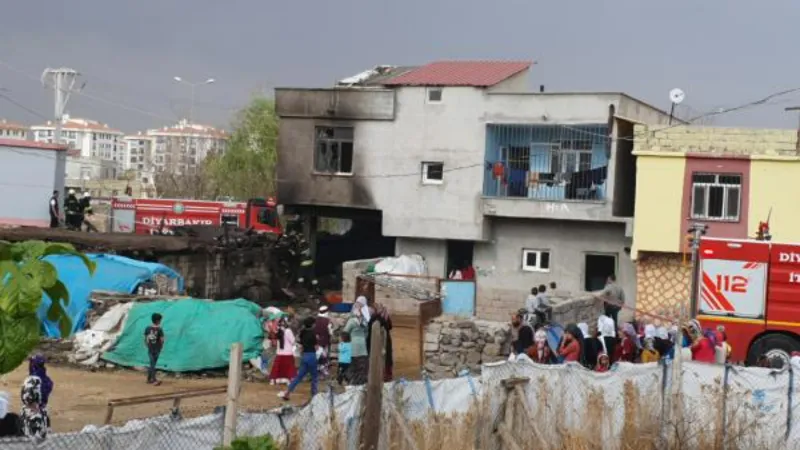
column 113, row 273
column 564, row 397
column 198, row 334
column 92, row 343
column 403, row 265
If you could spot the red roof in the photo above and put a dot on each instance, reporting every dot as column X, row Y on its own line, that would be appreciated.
column 460, row 73
column 19, row 143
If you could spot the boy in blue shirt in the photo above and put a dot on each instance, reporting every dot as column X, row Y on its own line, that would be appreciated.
column 345, row 357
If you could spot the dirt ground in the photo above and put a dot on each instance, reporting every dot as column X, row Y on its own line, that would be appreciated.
column 80, row 397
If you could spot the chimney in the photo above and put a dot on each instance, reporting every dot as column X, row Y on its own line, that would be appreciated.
column 541, row 88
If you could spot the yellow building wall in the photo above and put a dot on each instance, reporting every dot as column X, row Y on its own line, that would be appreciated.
column 775, row 184
column 659, row 199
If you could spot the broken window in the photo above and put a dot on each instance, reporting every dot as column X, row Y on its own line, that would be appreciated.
column 716, row 196
column 334, row 150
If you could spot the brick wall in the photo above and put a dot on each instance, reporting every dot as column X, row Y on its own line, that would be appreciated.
column 663, row 282
column 736, row 141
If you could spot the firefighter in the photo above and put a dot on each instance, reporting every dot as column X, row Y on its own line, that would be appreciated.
column 86, row 210
column 72, row 208
column 55, row 211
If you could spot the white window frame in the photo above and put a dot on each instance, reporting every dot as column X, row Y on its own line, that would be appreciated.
column 562, row 152
column 426, row 165
column 329, row 142
column 538, row 267
column 726, row 189
column 428, row 92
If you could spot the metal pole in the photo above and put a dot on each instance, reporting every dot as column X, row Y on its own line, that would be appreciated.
column 698, row 230
column 671, row 113
column 797, row 144
column 62, row 81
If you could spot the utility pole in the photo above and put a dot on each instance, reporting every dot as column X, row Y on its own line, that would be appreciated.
column 796, row 108
column 62, row 81
column 697, row 230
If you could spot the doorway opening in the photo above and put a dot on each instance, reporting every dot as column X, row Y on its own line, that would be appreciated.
column 459, row 255
column 598, row 267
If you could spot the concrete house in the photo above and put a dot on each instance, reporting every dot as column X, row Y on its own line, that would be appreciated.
column 461, row 163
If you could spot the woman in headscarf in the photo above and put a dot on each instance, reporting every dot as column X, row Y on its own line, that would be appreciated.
column 283, row 368
column 363, row 307
column 571, row 348
column 704, row 347
column 591, row 346
column 608, row 335
column 34, row 417
column 356, row 327
column 36, row 368
column 540, row 352
column 603, row 363
column 9, row 422
column 630, row 345
column 381, row 315
column 662, row 342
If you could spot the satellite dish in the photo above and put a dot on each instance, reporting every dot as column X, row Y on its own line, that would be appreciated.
column 676, row 96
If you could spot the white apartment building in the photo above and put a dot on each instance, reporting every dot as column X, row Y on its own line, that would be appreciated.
column 11, row 130
column 138, row 156
column 181, row 147
column 97, row 148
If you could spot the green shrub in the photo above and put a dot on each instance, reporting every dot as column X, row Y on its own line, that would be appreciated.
column 252, row 443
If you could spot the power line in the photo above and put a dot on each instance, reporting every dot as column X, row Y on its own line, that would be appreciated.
column 23, row 107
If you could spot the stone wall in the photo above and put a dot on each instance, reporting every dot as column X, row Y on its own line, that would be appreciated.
column 224, row 273
column 453, row 345
column 663, row 283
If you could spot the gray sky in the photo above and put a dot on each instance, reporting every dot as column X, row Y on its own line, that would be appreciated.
column 720, row 52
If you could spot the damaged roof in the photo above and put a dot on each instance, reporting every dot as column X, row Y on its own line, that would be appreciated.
column 460, row 73
column 375, row 76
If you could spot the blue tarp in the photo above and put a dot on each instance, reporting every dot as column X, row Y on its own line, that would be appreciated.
column 113, row 273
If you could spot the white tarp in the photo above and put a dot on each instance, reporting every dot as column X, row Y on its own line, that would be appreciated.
column 402, row 265
column 90, row 344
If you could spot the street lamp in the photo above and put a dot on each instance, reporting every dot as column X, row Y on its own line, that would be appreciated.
column 192, row 86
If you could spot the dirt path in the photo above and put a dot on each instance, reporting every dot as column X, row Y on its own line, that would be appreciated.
column 80, row 397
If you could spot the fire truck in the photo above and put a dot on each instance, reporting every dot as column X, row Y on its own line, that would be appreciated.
column 752, row 287
column 162, row 216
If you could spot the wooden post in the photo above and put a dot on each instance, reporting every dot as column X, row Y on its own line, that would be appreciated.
column 371, row 422
column 234, row 385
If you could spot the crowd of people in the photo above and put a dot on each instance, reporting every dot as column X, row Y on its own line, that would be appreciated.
column 535, row 338
column 33, row 420
column 313, row 345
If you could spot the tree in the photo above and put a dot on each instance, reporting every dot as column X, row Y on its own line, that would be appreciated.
column 26, row 275
column 247, row 169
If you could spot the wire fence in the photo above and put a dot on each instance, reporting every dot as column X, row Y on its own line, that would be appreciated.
column 513, row 405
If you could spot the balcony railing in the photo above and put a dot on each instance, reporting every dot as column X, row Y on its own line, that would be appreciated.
column 548, row 163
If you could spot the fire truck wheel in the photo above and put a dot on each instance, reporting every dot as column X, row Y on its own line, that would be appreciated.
column 772, row 346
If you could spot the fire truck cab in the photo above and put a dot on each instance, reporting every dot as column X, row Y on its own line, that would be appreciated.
column 161, row 216
column 751, row 287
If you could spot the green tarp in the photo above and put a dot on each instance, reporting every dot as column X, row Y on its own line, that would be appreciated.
column 198, row 334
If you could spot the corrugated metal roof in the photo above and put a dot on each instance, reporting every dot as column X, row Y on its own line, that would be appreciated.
column 460, row 73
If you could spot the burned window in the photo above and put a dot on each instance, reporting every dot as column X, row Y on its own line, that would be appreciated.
column 334, row 150
column 716, row 196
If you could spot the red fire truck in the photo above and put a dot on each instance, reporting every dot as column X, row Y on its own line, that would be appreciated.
column 160, row 216
column 751, row 287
